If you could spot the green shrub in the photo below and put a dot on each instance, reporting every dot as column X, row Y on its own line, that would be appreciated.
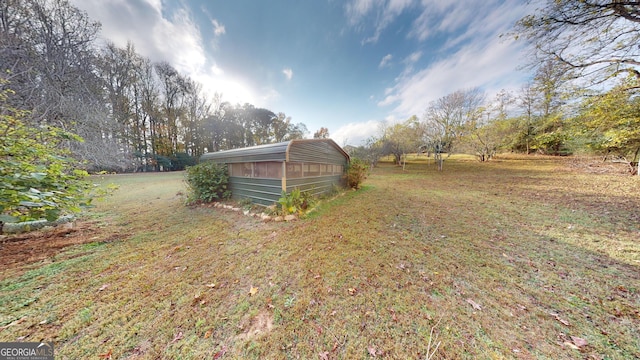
column 356, row 173
column 38, row 177
column 207, row 182
column 296, row 202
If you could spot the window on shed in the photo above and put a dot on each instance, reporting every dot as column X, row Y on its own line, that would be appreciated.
column 270, row 170
column 294, row 170
column 299, row 169
column 238, row 169
column 314, row 170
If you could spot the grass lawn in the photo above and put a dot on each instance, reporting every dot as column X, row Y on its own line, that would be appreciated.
column 529, row 258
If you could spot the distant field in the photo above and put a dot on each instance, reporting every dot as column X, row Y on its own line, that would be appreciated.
column 518, row 258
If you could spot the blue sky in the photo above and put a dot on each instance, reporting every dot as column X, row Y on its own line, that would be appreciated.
column 345, row 65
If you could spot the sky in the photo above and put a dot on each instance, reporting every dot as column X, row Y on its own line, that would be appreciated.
column 349, row 66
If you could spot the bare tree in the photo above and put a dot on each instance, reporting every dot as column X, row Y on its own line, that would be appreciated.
column 484, row 134
column 595, row 39
column 446, row 118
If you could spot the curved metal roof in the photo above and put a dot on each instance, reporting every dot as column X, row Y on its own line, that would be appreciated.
column 269, row 152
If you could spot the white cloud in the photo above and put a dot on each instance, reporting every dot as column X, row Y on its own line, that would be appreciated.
column 356, row 133
column 490, row 66
column 380, row 13
column 413, row 58
column 218, row 29
column 288, row 73
column 385, row 61
column 357, row 9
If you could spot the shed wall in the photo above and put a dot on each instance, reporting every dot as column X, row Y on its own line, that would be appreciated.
column 317, row 185
column 260, row 191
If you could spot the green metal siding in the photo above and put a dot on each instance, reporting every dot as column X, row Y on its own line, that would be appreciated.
column 317, row 151
column 269, row 152
column 317, row 185
column 260, row 191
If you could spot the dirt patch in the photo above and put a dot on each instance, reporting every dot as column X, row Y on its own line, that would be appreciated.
column 21, row 249
column 256, row 326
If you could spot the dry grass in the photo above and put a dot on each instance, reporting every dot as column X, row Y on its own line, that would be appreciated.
column 517, row 258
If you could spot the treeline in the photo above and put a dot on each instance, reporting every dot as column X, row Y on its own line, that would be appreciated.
column 546, row 116
column 133, row 114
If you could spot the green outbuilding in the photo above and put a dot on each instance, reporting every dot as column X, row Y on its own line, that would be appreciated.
column 262, row 172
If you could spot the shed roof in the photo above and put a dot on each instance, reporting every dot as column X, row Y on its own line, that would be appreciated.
column 269, row 152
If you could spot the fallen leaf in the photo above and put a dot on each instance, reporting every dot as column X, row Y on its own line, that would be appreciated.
column 220, row 353
column 569, row 344
column 557, row 317
column 393, row 314
column 208, row 334
column 352, row 291
column 474, row 304
column 106, row 355
column 16, row 322
column 579, row 342
column 178, row 337
column 324, row 355
column 372, row 351
column 253, row 291
column 197, row 298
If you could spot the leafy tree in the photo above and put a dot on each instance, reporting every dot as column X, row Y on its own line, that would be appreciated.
column 611, row 123
column 322, row 133
column 403, row 138
column 296, row 131
column 261, row 125
column 485, row 134
column 527, row 99
column 356, row 173
column 38, row 179
column 594, row 41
